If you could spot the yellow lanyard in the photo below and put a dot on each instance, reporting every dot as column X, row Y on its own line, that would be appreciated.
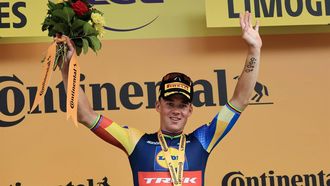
column 176, row 172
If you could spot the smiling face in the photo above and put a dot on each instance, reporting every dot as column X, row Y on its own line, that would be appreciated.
column 174, row 113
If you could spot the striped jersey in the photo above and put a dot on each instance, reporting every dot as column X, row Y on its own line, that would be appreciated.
column 145, row 153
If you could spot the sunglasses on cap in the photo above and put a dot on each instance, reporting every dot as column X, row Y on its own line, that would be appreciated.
column 176, row 83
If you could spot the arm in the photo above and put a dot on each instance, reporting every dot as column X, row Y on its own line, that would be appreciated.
column 211, row 134
column 248, row 77
column 86, row 115
column 122, row 137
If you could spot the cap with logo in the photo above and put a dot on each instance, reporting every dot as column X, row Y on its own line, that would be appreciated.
column 176, row 83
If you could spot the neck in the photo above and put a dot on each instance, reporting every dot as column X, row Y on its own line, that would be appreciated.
column 171, row 133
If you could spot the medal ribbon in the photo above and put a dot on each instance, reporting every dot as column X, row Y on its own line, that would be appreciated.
column 176, row 172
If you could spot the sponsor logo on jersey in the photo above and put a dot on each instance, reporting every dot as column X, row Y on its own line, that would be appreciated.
column 190, row 178
column 160, row 163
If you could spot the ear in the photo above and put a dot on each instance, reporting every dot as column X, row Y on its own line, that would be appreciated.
column 190, row 109
column 157, row 106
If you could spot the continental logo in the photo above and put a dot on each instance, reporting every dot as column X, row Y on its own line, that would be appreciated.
column 90, row 182
column 119, row 21
column 16, row 98
column 272, row 179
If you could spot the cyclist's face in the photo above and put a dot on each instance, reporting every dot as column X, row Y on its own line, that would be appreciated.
column 174, row 113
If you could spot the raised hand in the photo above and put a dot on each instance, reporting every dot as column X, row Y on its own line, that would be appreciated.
column 249, row 34
column 66, row 40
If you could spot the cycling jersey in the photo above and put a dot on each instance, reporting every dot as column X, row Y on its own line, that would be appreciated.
column 145, row 153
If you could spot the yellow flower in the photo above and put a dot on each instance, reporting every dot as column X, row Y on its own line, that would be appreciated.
column 100, row 29
column 98, row 19
column 60, row 1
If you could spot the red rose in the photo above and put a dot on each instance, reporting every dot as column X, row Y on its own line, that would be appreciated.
column 80, row 8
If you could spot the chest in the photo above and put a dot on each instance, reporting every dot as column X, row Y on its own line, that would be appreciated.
column 148, row 155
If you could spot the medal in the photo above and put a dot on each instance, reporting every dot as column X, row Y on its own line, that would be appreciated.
column 176, row 172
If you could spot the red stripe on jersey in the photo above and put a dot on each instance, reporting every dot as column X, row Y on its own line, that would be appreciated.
column 106, row 122
column 106, row 136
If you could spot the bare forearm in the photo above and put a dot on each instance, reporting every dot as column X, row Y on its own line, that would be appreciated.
column 247, row 79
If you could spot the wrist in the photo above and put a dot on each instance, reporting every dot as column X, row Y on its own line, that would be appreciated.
column 254, row 50
column 64, row 73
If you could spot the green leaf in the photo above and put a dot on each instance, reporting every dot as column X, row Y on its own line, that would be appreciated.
column 51, row 32
column 59, row 14
column 85, row 45
column 86, row 16
column 48, row 22
column 62, row 28
column 89, row 29
column 97, row 11
column 44, row 27
column 51, row 22
column 59, row 6
column 78, row 42
column 66, row 14
column 77, row 25
column 78, row 50
column 51, row 5
column 94, row 43
column 69, row 13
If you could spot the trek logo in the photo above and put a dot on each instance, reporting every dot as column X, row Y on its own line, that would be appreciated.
column 128, row 5
column 168, row 180
column 190, row 178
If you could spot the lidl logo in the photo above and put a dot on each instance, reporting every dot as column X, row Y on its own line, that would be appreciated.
column 160, row 162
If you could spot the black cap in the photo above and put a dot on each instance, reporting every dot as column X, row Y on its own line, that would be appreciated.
column 176, row 83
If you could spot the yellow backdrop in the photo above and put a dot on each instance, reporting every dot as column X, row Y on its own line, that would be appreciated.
column 164, row 18
column 270, row 12
column 286, row 133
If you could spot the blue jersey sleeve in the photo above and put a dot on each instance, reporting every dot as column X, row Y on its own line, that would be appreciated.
column 209, row 135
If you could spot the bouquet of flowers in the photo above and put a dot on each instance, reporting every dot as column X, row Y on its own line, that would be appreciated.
column 78, row 20
column 83, row 24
